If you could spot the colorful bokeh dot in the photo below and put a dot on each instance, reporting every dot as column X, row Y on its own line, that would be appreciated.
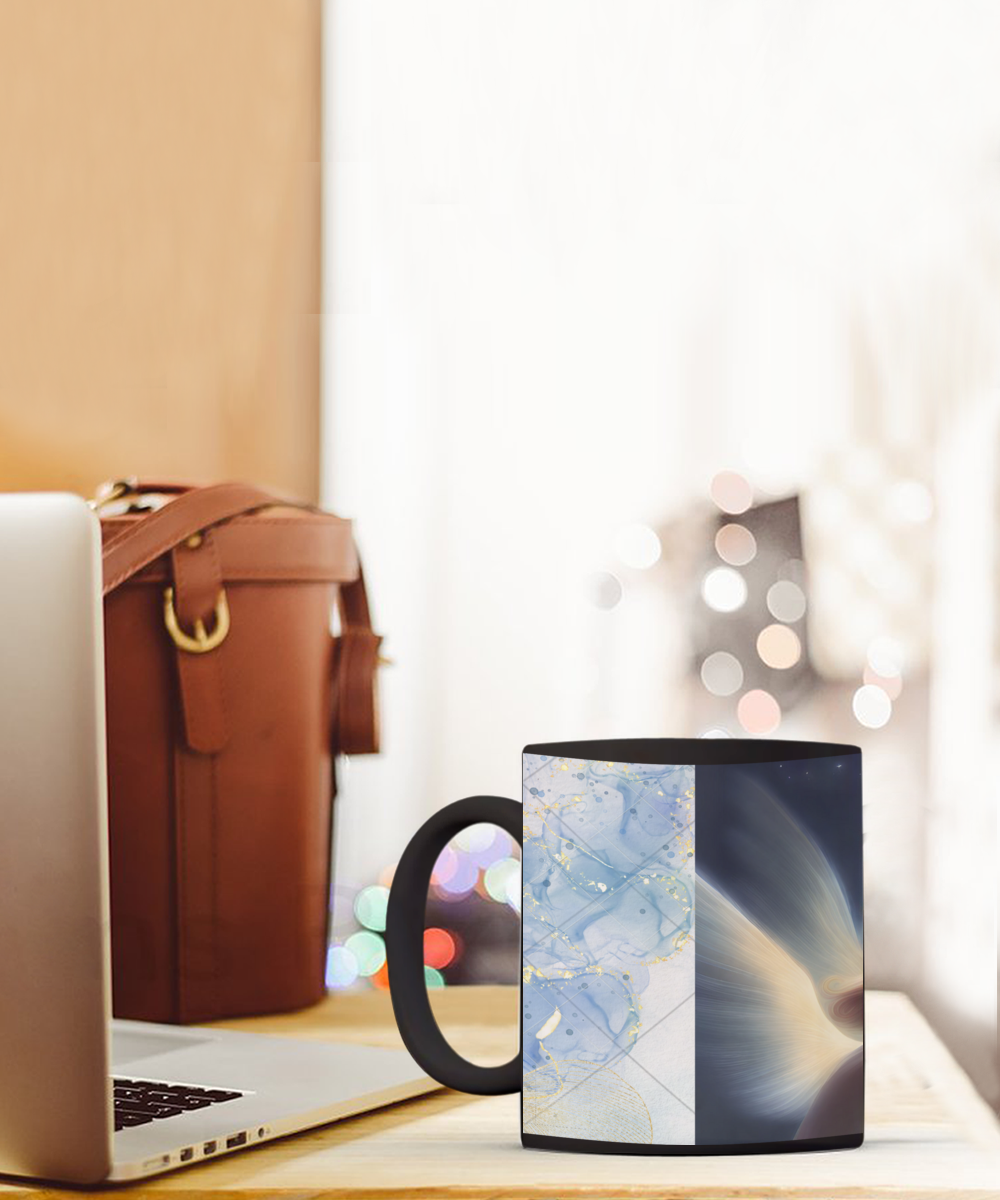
column 368, row 950
column 370, row 905
column 439, row 947
column 497, row 877
column 341, row 967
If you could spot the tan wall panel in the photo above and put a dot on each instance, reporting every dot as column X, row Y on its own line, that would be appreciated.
column 159, row 241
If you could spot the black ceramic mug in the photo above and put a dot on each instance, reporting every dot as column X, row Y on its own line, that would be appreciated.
column 691, row 938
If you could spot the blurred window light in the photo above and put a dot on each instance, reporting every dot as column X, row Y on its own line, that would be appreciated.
column 872, row 706
column 773, row 454
column 724, row 589
column 911, row 501
column 578, row 675
column 786, row 601
column 637, row 546
column 731, row 492
column 722, row 673
column 758, row 712
column 779, row 647
column 604, row 590
column 735, row 544
column 888, row 574
column 716, row 732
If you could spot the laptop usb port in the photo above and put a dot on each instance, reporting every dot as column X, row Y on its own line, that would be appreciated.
column 238, row 1139
column 209, row 1147
column 187, row 1154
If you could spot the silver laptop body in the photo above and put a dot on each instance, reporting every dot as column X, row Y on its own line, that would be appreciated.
column 59, row 1048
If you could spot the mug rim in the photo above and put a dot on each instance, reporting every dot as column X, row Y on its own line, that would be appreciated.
column 694, row 752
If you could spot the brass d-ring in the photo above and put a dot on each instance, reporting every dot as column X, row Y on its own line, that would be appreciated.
column 202, row 641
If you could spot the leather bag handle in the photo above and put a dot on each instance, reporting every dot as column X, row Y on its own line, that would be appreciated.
column 354, row 722
column 188, row 513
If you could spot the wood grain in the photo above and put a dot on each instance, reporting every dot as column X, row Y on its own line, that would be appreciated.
column 928, row 1133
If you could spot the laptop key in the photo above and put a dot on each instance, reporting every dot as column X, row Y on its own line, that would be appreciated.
column 150, row 1110
column 124, row 1120
column 177, row 1100
column 139, row 1101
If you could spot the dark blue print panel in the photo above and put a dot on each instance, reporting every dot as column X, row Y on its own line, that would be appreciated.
column 672, row 1006
column 779, row 970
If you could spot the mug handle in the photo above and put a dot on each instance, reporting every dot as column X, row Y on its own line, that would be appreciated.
column 404, row 943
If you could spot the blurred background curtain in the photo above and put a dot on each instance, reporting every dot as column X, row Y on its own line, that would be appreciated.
column 580, row 257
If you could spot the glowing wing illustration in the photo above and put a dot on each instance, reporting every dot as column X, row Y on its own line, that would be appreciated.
column 793, row 894
column 760, row 1019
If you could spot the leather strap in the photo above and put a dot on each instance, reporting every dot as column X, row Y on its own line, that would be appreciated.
column 187, row 514
column 354, row 726
column 197, row 584
column 355, row 708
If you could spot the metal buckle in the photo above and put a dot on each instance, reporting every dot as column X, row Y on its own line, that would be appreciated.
column 112, row 490
column 202, row 642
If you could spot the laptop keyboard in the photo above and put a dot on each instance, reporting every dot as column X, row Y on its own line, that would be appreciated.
column 139, row 1101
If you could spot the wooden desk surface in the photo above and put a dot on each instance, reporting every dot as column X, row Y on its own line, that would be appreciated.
column 928, row 1133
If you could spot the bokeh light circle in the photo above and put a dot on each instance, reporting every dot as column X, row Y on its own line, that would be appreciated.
column 722, row 673
column 638, row 546
column 736, row 545
column 462, row 880
column 341, row 967
column 731, row 492
column 872, row 706
column 368, row 950
column 786, row 601
column 499, row 847
column 513, row 891
column 370, row 905
column 604, row 590
column 779, row 647
column 885, row 656
column 892, row 685
column 758, row 712
column 439, row 947
column 433, row 978
column 496, row 877
column 715, row 732
column 445, row 867
column 476, row 837
column 724, row 589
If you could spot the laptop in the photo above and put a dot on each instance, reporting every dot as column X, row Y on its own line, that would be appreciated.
column 84, row 1098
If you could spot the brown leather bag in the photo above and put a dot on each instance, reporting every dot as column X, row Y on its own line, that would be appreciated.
column 227, row 698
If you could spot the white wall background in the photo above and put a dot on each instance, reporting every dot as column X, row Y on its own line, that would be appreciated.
column 579, row 256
